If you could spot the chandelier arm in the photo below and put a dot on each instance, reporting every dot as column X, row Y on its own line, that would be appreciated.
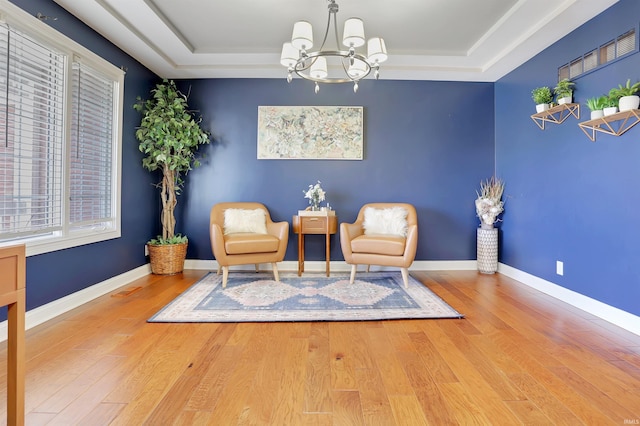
column 300, row 69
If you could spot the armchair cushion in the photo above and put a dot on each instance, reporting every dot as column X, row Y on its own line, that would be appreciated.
column 245, row 242
column 387, row 221
column 245, row 220
column 376, row 244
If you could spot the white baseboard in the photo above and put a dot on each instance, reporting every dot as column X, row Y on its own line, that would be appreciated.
column 608, row 313
column 339, row 266
column 51, row 310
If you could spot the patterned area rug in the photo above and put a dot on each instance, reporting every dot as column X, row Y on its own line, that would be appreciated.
column 251, row 297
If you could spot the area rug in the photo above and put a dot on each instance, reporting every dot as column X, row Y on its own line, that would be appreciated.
column 251, row 297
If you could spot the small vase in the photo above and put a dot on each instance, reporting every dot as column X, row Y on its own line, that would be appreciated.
column 315, row 207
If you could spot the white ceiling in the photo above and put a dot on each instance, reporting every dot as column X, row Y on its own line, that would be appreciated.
column 461, row 40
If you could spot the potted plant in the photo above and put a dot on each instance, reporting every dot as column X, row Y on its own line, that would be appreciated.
column 542, row 97
column 596, row 106
column 627, row 98
column 169, row 135
column 611, row 103
column 564, row 91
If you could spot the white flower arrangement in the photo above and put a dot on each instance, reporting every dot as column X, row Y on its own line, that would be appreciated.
column 489, row 204
column 315, row 194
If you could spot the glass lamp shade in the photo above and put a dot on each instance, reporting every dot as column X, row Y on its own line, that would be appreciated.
column 289, row 55
column 376, row 50
column 353, row 33
column 357, row 70
column 319, row 68
column 302, row 38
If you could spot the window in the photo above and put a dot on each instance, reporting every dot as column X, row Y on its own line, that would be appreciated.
column 60, row 109
column 610, row 51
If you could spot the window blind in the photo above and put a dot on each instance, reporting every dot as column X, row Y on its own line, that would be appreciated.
column 31, row 136
column 91, row 149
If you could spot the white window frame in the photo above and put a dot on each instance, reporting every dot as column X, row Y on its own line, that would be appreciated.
column 20, row 20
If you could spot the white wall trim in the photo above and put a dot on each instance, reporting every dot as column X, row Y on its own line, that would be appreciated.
column 339, row 266
column 51, row 310
column 608, row 313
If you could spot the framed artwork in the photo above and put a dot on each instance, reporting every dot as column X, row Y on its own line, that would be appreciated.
column 310, row 132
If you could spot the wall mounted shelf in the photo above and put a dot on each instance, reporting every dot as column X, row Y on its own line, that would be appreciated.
column 557, row 114
column 614, row 124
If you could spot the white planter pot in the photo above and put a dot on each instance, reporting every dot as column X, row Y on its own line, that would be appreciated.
column 597, row 114
column 628, row 103
column 565, row 100
column 610, row 110
column 542, row 107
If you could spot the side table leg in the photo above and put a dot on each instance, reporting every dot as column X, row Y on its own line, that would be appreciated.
column 328, row 249
column 300, row 253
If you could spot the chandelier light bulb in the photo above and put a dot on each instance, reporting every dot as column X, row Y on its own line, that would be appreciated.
column 353, row 35
column 355, row 87
column 317, row 89
column 289, row 77
column 302, row 37
column 376, row 50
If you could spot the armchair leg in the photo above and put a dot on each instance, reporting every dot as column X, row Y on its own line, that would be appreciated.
column 257, row 268
column 405, row 276
column 218, row 273
column 368, row 268
column 353, row 273
column 275, row 272
column 225, row 276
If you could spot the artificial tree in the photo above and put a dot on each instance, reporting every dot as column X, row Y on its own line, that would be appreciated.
column 169, row 135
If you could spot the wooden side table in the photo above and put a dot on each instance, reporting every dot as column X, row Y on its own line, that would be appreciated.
column 12, row 295
column 308, row 222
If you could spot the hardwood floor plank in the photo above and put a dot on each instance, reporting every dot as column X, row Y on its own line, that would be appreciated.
column 317, row 391
column 393, row 375
column 543, row 401
column 347, row 409
column 433, row 405
column 376, row 408
column 342, row 361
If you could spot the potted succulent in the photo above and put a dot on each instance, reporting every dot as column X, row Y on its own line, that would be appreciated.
column 627, row 98
column 564, row 91
column 542, row 97
column 169, row 135
column 596, row 106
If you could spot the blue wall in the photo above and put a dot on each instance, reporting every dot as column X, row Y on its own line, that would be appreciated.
column 568, row 198
column 426, row 143
column 55, row 275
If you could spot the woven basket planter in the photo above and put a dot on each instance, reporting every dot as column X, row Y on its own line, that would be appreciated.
column 167, row 259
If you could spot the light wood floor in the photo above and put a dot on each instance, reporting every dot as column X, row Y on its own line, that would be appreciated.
column 519, row 357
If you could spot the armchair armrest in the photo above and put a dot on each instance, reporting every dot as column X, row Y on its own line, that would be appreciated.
column 217, row 242
column 349, row 231
column 281, row 231
column 411, row 245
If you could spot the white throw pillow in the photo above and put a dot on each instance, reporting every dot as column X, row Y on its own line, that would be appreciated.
column 389, row 221
column 245, row 220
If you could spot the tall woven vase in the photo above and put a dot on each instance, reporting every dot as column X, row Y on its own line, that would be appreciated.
column 487, row 250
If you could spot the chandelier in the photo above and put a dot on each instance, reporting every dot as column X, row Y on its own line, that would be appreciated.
column 347, row 66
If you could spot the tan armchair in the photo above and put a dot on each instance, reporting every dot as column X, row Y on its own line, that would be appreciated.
column 385, row 249
column 268, row 245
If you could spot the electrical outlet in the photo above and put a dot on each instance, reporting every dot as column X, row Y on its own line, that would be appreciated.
column 146, row 250
column 559, row 268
